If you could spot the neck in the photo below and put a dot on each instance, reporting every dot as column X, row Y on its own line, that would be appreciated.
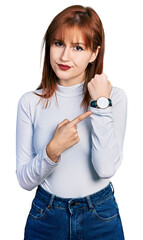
column 70, row 91
column 71, row 82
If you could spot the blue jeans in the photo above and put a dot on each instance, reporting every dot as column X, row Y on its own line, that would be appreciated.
column 93, row 217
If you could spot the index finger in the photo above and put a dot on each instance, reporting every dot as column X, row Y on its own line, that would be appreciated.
column 80, row 118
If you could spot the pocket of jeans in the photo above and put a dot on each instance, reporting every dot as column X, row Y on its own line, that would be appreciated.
column 107, row 209
column 38, row 209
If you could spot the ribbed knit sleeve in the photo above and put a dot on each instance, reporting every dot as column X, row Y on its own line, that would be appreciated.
column 108, row 131
column 31, row 168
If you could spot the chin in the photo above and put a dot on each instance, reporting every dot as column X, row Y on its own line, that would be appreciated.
column 63, row 76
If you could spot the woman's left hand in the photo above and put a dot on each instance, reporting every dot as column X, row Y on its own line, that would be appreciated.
column 99, row 86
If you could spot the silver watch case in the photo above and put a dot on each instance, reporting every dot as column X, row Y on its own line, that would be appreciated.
column 102, row 102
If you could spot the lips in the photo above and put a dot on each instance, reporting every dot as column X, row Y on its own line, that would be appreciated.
column 64, row 67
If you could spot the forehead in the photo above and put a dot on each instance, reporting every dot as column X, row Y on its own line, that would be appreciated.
column 71, row 34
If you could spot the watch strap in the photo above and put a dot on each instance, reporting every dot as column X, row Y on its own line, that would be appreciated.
column 94, row 103
column 110, row 102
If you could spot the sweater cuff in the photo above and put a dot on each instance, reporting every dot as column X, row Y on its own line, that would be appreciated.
column 101, row 112
column 49, row 160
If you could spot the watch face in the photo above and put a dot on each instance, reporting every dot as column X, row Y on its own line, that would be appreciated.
column 103, row 102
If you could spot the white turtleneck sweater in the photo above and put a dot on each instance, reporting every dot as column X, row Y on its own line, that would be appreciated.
column 82, row 169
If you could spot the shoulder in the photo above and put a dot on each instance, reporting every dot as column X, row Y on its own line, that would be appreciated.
column 27, row 104
column 29, row 97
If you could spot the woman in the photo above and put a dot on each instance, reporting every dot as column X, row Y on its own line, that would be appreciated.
column 69, row 149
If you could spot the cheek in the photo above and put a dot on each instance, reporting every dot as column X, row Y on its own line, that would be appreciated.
column 83, row 64
column 83, row 60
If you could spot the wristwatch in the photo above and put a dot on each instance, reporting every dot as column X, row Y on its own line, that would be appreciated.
column 101, row 102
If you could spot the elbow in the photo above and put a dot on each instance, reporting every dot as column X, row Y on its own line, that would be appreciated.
column 23, row 184
column 107, row 168
column 105, row 173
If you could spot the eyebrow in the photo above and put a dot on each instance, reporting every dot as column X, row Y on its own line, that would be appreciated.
column 72, row 42
column 79, row 43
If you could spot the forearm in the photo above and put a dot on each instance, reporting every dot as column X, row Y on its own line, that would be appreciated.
column 33, row 172
column 31, row 167
column 106, row 154
column 105, row 151
column 108, row 131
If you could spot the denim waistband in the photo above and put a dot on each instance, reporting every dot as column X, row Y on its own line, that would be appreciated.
column 53, row 200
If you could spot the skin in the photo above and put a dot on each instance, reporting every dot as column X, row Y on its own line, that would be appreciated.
column 71, row 52
column 65, row 136
column 99, row 86
column 77, row 56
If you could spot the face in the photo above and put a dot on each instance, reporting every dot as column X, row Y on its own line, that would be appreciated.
column 69, row 58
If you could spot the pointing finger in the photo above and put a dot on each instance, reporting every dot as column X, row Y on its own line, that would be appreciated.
column 80, row 118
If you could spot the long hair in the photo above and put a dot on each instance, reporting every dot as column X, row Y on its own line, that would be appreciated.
column 88, row 22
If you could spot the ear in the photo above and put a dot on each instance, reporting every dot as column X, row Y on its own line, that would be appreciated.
column 94, row 55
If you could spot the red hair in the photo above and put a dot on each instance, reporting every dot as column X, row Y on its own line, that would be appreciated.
column 88, row 22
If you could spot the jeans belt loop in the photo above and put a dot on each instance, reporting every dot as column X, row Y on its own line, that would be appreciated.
column 89, row 202
column 51, row 201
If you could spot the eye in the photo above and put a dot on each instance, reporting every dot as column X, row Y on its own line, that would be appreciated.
column 58, row 43
column 78, row 48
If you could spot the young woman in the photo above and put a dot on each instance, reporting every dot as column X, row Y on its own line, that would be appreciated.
column 70, row 134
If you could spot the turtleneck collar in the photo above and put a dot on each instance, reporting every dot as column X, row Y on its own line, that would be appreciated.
column 70, row 91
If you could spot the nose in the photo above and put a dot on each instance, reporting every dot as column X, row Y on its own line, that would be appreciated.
column 65, row 54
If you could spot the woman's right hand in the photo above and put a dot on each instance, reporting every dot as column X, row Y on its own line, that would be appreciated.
column 65, row 135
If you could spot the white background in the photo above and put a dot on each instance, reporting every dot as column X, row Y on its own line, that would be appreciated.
column 22, row 27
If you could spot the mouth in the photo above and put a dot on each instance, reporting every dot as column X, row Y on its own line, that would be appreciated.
column 64, row 67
